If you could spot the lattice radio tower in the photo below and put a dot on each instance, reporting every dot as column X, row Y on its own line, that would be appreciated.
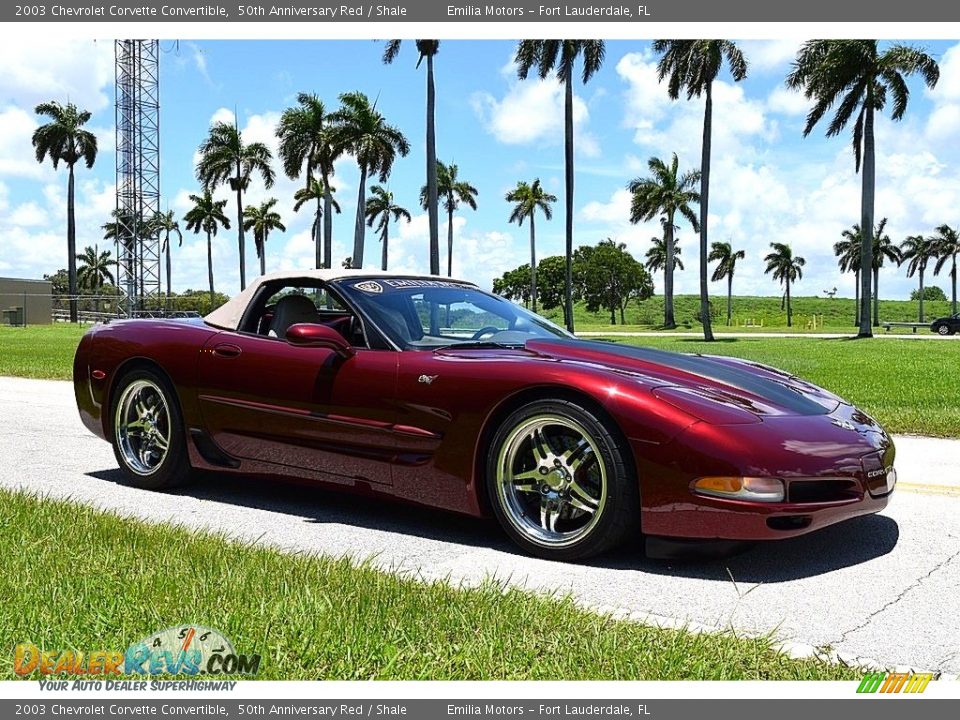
column 138, row 173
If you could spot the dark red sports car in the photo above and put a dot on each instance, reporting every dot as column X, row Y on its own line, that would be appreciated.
column 436, row 392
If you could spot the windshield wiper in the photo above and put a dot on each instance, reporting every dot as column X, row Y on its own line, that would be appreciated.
column 475, row 344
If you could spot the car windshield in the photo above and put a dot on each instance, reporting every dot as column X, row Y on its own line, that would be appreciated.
column 421, row 314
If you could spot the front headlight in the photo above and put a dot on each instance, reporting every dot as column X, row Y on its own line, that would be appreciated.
column 756, row 489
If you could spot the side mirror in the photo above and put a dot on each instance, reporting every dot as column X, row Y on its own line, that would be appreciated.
column 313, row 335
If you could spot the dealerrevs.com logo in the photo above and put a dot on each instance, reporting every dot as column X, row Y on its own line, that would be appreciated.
column 189, row 650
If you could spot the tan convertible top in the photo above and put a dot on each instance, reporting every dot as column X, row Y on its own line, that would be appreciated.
column 228, row 315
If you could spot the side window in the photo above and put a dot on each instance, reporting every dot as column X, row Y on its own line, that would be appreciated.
column 291, row 305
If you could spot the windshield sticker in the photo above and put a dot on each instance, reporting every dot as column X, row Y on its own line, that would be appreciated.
column 370, row 286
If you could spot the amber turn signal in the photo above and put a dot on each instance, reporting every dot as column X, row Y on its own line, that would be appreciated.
column 741, row 488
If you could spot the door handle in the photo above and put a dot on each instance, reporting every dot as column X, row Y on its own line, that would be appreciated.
column 227, row 350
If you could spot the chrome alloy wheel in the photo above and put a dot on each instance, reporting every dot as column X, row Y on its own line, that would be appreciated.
column 142, row 427
column 551, row 480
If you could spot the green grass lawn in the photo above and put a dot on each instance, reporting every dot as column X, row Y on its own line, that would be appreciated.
column 87, row 580
column 910, row 386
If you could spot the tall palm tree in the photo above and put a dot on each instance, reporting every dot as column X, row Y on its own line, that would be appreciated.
column 786, row 268
column 427, row 49
column 883, row 249
column 947, row 242
column 262, row 220
column 692, row 66
column 723, row 254
column 207, row 216
column 856, row 77
column 317, row 192
column 93, row 271
column 666, row 192
column 380, row 207
column 848, row 258
column 363, row 131
column 560, row 57
column 166, row 224
column 308, row 144
column 527, row 198
column 917, row 251
column 63, row 139
column 226, row 159
column 453, row 191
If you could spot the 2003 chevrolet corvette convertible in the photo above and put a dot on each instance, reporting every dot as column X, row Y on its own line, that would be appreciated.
column 432, row 391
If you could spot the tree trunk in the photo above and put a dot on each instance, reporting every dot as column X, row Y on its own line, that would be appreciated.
column 729, row 298
column 168, row 267
column 789, row 308
column 868, row 190
column 533, row 263
column 71, row 250
column 240, row 243
column 356, row 260
column 327, row 222
column 449, row 243
column 668, row 320
column 704, row 209
column 384, row 239
column 263, row 254
column 876, row 297
column 210, row 267
column 568, row 175
column 953, row 275
column 856, row 311
column 432, row 199
column 921, row 293
column 317, row 239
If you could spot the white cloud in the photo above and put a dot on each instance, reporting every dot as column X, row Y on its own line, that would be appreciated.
column 788, row 102
column 28, row 214
column 79, row 71
column 16, row 149
column 768, row 56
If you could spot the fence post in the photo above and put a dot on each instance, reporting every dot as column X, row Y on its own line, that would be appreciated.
column 24, row 308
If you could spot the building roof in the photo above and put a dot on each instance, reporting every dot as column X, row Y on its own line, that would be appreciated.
column 228, row 315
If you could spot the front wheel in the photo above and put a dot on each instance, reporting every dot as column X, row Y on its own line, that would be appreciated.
column 148, row 436
column 560, row 484
column 943, row 329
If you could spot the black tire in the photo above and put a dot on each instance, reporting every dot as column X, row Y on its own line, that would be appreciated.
column 618, row 516
column 173, row 469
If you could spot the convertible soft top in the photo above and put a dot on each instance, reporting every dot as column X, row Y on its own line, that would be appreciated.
column 228, row 315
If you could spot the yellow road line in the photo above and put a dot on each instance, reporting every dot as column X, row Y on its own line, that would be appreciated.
column 929, row 489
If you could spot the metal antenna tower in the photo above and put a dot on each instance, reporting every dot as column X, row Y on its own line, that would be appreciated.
column 138, row 172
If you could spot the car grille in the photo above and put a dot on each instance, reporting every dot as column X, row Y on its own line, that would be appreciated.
column 823, row 490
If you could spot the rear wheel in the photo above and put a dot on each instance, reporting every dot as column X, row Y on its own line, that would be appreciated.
column 559, row 482
column 148, row 436
column 943, row 329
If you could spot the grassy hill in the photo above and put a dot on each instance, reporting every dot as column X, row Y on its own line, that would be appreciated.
column 752, row 313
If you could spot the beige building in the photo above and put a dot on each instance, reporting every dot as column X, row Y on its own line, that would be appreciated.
column 25, row 302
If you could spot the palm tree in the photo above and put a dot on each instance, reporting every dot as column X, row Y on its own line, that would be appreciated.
column 883, row 249
column 166, row 224
column 947, row 242
column 225, row 159
column 207, row 216
column 64, row 139
column 527, row 199
column 692, row 66
column 380, row 207
column 855, row 77
column 786, row 268
column 657, row 256
column 307, row 142
column 560, row 57
column 917, row 251
column 427, row 49
column 262, row 220
column 723, row 254
column 453, row 191
column 363, row 131
column 94, row 271
column 666, row 192
column 848, row 258
column 318, row 193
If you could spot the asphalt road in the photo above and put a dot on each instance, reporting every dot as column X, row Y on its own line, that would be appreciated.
column 885, row 588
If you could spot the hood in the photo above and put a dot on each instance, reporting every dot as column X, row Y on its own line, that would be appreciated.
column 717, row 389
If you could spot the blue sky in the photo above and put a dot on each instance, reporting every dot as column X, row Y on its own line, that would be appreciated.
column 769, row 183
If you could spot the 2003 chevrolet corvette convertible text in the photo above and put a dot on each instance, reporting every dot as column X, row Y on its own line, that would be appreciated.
column 433, row 391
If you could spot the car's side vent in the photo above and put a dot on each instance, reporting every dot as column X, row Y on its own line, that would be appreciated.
column 209, row 451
